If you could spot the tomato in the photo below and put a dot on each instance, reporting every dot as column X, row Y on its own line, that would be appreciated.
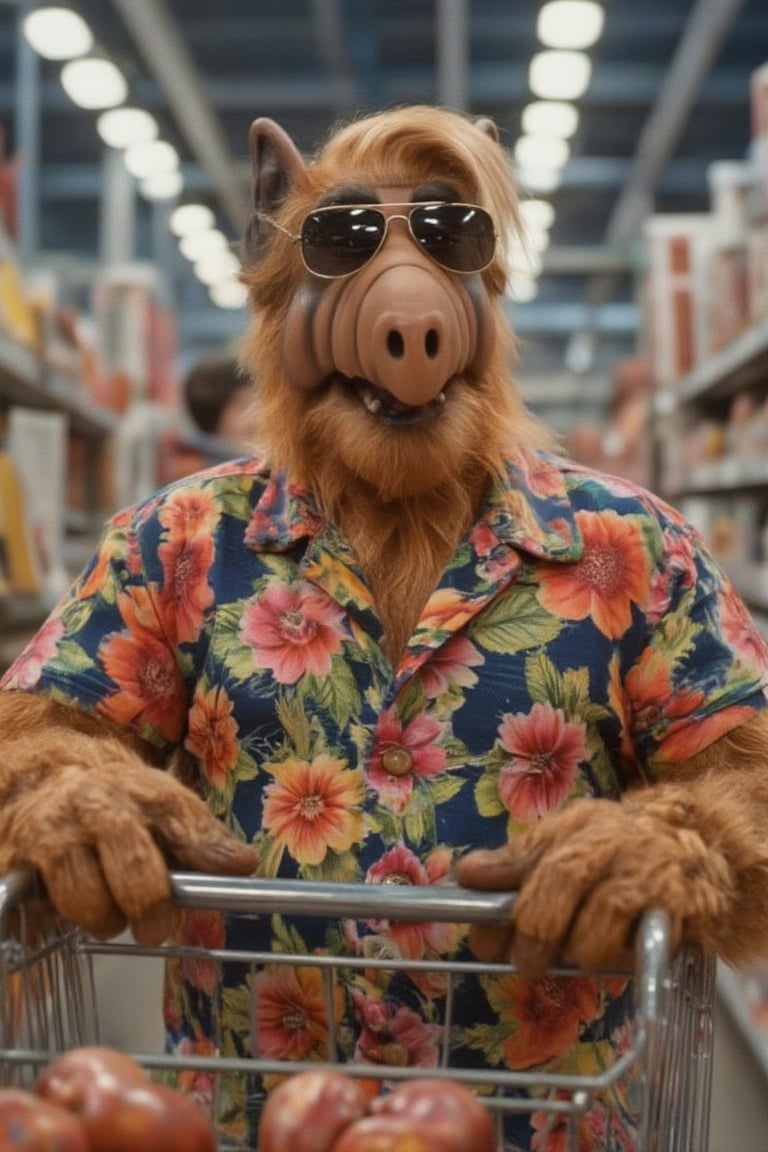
column 28, row 1124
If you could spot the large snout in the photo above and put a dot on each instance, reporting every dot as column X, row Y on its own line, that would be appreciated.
column 412, row 333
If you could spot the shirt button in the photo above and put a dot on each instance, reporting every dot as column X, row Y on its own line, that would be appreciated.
column 397, row 761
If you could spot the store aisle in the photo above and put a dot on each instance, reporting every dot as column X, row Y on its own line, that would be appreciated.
column 739, row 1092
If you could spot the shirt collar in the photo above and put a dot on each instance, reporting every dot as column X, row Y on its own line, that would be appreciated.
column 527, row 508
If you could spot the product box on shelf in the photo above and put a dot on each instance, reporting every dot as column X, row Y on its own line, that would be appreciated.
column 679, row 248
column 136, row 335
column 757, row 271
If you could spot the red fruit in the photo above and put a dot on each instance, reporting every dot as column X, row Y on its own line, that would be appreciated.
column 150, row 1117
column 119, row 1109
column 456, row 1119
column 389, row 1133
column 28, row 1124
column 308, row 1111
column 75, row 1076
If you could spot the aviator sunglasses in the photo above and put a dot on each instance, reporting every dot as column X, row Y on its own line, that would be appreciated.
column 338, row 240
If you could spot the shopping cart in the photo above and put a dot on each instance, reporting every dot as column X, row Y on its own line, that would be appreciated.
column 48, row 1000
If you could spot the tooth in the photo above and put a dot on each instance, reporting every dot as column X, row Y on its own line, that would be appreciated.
column 440, row 398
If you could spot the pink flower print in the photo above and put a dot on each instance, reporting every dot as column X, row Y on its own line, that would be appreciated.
column 545, row 750
column 450, row 666
column 293, row 630
column 393, row 1035
column 741, row 633
column 27, row 669
column 413, row 939
column 417, row 742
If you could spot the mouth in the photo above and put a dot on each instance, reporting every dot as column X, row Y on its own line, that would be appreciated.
column 381, row 405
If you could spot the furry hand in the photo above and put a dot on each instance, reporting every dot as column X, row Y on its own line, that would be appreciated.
column 587, row 874
column 102, row 828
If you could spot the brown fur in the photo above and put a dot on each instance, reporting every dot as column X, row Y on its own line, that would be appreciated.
column 696, row 843
column 403, row 497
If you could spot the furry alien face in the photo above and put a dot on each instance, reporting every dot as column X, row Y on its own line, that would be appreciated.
column 376, row 276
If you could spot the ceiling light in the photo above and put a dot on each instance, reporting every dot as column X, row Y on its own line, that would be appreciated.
column 93, row 82
column 570, row 23
column 550, row 118
column 124, row 127
column 151, row 159
column 522, row 289
column 544, row 180
column 162, row 186
column 522, row 259
column 189, row 218
column 537, row 213
column 543, row 152
column 57, row 33
column 229, row 294
column 199, row 244
column 559, row 75
column 536, row 237
column 217, row 266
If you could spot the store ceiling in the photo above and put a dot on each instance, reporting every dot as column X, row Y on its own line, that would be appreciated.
column 669, row 94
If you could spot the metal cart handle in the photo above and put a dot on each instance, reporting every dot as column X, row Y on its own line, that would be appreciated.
column 333, row 900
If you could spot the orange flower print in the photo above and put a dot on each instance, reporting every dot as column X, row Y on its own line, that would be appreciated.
column 550, row 1131
column 545, row 1016
column 150, row 691
column 188, row 512
column 293, row 630
column 201, row 929
column 611, row 575
column 186, row 562
column 212, row 734
column 446, row 610
column 314, row 807
column 290, row 1015
column 545, row 751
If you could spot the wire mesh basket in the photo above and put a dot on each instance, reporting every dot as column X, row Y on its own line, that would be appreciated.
column 49, row 1002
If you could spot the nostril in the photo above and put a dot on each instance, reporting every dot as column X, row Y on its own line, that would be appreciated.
column 395, row 344
column 431, row 343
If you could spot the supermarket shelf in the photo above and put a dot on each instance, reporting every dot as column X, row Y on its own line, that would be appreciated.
column 24, row 381
column 743, row 362
column 728, row 474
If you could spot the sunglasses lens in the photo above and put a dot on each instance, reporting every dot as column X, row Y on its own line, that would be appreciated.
column 460, row 237
column 338, row 241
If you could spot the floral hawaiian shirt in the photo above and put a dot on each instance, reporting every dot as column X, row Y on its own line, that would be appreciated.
column 581, row 639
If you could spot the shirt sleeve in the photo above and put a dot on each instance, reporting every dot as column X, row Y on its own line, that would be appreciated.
column 704, row 669
column 105, row 648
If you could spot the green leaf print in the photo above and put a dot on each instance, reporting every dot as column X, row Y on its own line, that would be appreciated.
column 337, row 693
column 236, row 1003
column 514, row 622
column 487, row 794
column 488, row 1039
column 76, row 615
column 296, row 725
column 235, row 499
column 72, row 657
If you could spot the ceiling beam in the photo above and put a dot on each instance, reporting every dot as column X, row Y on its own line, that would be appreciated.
column 705, row 30
column 452, row 53
column 161, row 45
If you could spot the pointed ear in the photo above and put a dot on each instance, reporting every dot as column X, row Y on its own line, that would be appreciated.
column 488, row 126
column 277, row 165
